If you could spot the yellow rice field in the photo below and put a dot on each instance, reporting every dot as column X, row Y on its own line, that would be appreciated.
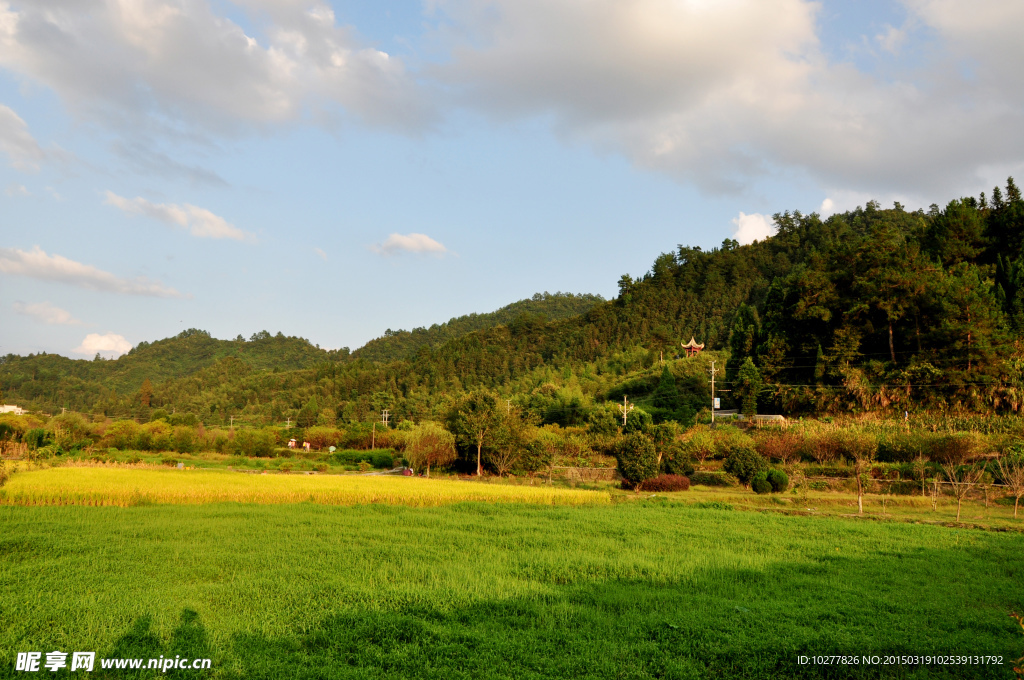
column 127, row 486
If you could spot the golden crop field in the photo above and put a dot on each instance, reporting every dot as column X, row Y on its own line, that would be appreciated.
column 127, row 486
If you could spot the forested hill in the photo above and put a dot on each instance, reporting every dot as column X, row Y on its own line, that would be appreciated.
column 869, row 310
column 52, row 380
column 402, row 344
column 865, row 310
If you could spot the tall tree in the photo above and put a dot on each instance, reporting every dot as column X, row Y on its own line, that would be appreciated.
column 747, row 386
column 146, row 392
column 666, row 395
column 511, row 439
column 472, row 419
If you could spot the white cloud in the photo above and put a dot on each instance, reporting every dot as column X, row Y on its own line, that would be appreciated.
column 722, row 93
column 408, row 243
column 891, row 39
column 37, row 264
column 108, row 345
column 198, row 221
column 17, row 190
column 750, row 228
column 15, row 139
column 166, row 62
column 826, row 208
column 47, row 313
column 321, row 253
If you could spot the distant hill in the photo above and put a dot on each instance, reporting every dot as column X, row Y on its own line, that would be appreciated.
column 51, row 380
column 402, row 344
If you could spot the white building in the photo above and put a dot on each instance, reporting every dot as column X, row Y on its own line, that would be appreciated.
column 11, row 408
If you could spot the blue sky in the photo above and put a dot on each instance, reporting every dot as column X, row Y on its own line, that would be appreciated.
column 331, row 170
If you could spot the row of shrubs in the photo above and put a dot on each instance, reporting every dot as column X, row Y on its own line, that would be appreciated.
column 765, row 481
column 826, row 444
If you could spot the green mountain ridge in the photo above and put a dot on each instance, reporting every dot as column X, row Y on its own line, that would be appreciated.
column 869, row 310
column 50, row 381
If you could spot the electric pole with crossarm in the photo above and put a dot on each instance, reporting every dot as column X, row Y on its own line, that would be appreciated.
column 625, row 408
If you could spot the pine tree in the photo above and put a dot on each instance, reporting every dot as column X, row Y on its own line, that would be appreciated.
column 308, row 413
column 666, row 394
column 748, row 386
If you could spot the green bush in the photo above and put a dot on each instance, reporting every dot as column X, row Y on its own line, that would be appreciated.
column 258, row 443
column 955, row 449
column 188, row 419
column 122, row 434
column 321, row 438
column 382, row 459
column 901, row 448
column 778, row 480
column 637, row 460
column 638, row 421
column 712, row 479
column 666, row 483
column 729, row 439
column 185, row 439
column 759, row 482
column 37, row 438
column 745, row 463
column 676, row 461
column 43, row 452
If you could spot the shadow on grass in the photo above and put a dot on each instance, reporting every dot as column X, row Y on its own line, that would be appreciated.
column 188, row 640
column 728, row 624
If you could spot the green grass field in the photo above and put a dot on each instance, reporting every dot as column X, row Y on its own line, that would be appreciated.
column 647, row 589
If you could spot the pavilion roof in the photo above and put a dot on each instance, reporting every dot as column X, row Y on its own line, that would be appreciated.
column 692, row 344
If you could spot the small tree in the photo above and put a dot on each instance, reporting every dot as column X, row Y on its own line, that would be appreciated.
column 962, row 480
column 700, row 445
column 745, row 463
column 637, row 459
column 428, row 444
column 552, row 442
column 825, row 447
column 863, row 450
column 920, row 466
column 1012, row 472
column 785, row 447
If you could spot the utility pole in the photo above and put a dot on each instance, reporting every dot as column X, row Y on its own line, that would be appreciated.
column 714, row 372
column 232, row 421
column 373, row 437
column 289, row 424
column 625, row 408
column 384, row 415
column 508, row 405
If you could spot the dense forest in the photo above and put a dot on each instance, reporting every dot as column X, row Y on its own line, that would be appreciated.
column 402, row 344
column 869, row 310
